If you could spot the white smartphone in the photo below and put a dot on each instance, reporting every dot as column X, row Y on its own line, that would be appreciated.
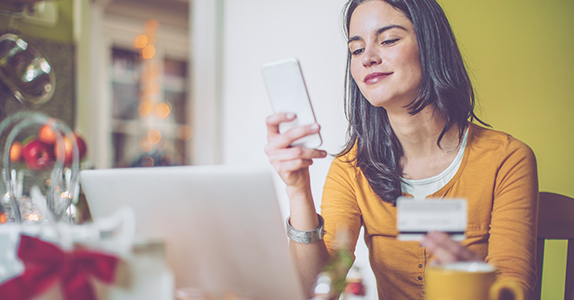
column 288, row 93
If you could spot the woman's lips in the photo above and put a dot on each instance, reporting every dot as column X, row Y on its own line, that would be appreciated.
column 375, row 77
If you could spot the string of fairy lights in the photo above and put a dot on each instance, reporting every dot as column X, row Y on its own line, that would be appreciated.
column 151, row 104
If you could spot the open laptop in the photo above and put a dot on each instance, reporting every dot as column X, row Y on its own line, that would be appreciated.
column 221, row 224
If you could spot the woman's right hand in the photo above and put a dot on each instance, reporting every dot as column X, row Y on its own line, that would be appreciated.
column 292, row 163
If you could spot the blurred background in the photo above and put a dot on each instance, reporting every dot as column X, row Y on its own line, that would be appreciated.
column 177, row 82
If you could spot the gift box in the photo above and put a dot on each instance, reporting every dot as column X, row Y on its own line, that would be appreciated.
column 93, row 261
column 43, row 255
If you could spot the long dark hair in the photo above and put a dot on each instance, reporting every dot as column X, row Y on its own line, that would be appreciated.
column 444, row 84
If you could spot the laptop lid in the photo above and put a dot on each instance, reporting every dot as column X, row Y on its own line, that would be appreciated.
column 221, row 224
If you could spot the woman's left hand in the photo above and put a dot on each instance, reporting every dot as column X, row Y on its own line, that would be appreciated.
column 446, row 250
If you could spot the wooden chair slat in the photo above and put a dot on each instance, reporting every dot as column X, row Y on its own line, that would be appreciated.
column 539, row 264
column 569, row 292
column 555, row 221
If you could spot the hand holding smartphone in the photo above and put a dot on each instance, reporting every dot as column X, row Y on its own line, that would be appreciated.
column 288, row 93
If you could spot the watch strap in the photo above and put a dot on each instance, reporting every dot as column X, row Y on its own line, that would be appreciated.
column 306, row 237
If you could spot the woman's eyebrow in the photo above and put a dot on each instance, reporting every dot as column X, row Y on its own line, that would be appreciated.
column 377, row 32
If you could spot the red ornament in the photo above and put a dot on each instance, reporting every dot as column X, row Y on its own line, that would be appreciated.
column 355, row 288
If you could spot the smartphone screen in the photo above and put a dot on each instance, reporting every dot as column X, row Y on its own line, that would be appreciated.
column 288, row 93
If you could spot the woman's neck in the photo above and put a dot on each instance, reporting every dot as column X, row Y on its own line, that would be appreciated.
column 418, row 135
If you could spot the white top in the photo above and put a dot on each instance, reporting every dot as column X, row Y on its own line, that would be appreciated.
column 420, row 188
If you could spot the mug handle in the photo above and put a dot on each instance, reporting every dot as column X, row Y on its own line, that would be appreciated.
column 506, row 290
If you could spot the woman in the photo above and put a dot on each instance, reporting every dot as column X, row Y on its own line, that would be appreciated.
column 410, row 105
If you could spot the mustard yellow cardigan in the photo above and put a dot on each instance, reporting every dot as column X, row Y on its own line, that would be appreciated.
column 497, row 176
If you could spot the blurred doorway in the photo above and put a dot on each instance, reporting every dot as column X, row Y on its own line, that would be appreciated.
column 146, row 98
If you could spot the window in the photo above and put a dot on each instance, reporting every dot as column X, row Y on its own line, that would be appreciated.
column 143, row 109
column 149, row 111
column 115, row 110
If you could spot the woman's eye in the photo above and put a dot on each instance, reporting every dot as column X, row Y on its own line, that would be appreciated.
column 357, row 51
column 390, row 42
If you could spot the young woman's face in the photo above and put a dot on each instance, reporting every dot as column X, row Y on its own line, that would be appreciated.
column 385, row 59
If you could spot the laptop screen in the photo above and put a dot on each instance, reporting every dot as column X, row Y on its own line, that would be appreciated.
column 221, row 224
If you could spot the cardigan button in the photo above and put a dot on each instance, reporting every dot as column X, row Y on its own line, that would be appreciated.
column 420, row 266
column 420, row 278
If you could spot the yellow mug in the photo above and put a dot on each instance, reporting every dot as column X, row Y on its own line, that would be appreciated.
column 470, row 281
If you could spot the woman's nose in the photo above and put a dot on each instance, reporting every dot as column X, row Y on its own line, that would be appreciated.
column 371, row 57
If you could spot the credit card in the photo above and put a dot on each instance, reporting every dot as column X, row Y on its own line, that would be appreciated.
column 416, row 217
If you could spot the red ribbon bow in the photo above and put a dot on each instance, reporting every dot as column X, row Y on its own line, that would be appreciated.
column 45, row 263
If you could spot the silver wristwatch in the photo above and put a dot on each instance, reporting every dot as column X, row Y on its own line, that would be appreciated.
column 306, row 237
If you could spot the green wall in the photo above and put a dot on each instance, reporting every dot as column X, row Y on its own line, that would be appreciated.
column 62, row 32
column 521, row 56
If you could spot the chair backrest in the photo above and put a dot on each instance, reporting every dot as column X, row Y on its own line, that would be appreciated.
column 556, row 221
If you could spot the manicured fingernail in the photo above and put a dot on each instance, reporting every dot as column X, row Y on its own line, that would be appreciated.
column 323, row 153
column 314, row 127
column 290, row 116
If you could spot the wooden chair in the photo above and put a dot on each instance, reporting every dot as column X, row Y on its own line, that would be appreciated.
column 556, row 221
